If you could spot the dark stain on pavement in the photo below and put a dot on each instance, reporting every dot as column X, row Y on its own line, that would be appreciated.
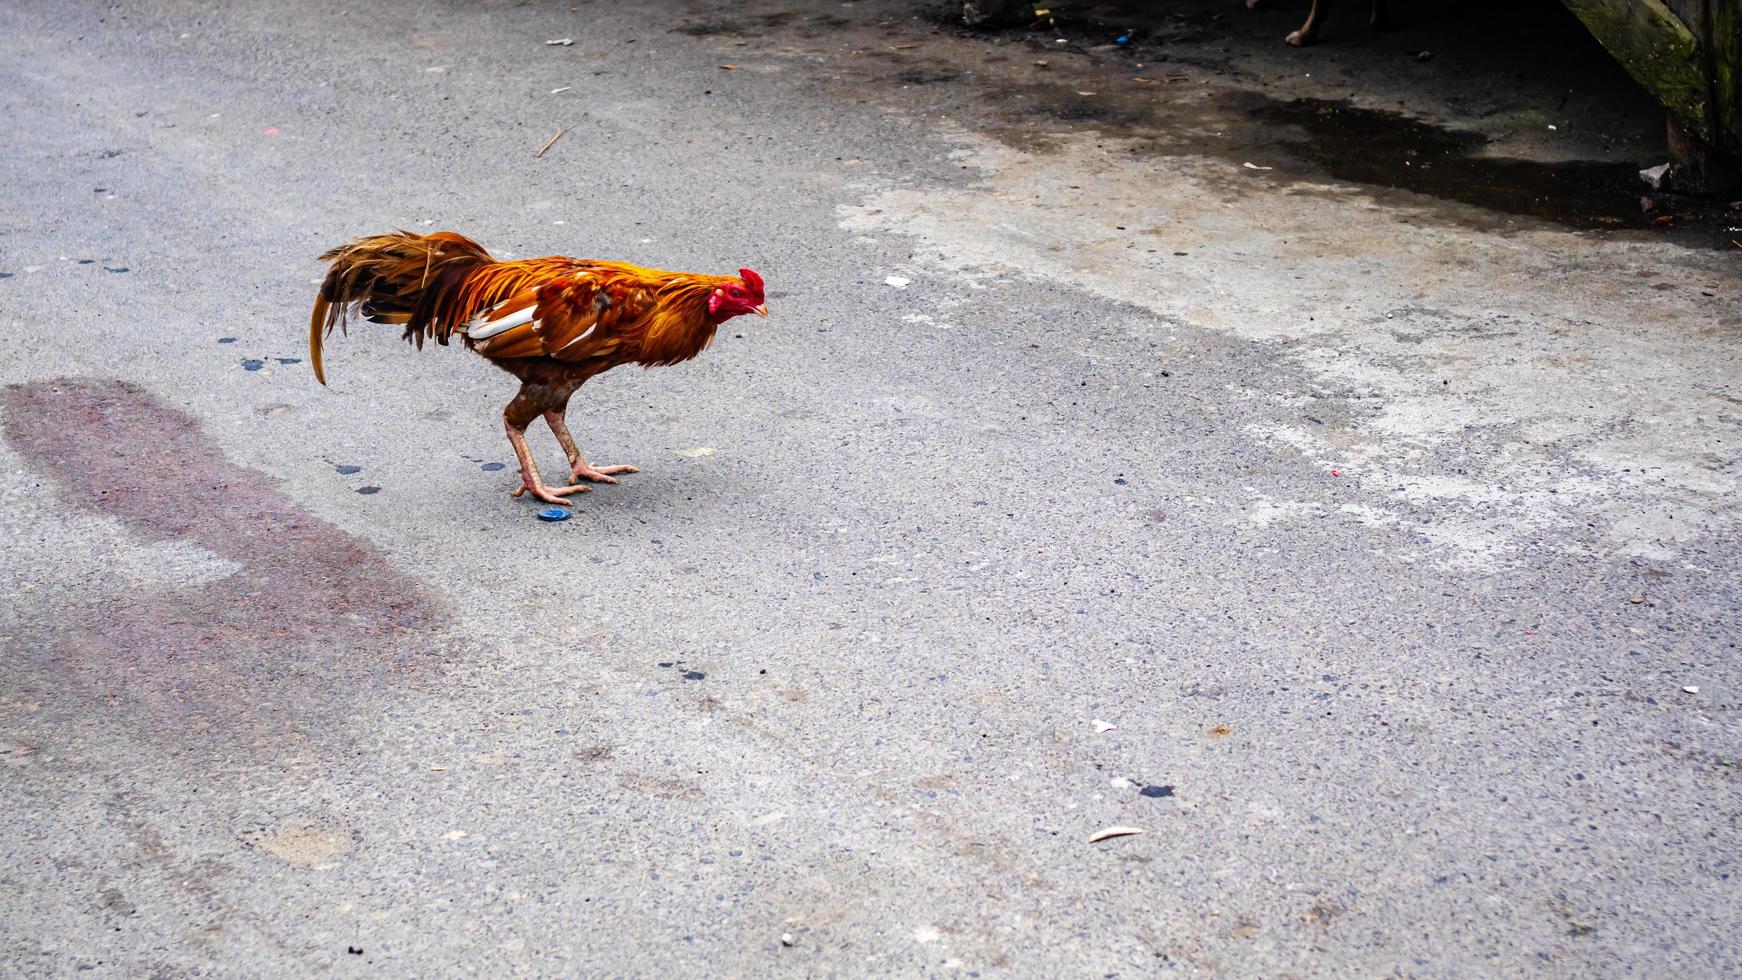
column 312, row 618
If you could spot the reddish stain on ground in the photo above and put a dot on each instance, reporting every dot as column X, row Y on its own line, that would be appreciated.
column 313, row 617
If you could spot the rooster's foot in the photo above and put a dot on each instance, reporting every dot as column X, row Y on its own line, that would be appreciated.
column 550, row 495
column 600, row 474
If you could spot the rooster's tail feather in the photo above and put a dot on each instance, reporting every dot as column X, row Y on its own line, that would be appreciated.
column 401, row 278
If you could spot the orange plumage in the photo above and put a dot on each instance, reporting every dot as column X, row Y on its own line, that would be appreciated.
column 552, row 322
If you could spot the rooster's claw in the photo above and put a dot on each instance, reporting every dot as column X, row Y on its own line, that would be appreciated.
column 551, row 495
column 600, row 474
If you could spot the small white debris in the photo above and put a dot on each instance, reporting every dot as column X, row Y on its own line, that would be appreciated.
column 899, row 282
column 1103, row 727
column 563, row 41
column 1551, row 127
column 786, row 939
column 926, row 934
column 1112, row 832
column 1249, row 165
column 559, row 91
column 1120, row 782
column 697, row 453
column 453, row 835
column 1653, row 176
column 768, row 818
column 1692, row 689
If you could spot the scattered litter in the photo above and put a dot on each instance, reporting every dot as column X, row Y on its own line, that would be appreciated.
column 1551, row 127
column 252, row 364
column 899, row 282
column 1424, row 56
column 1636, row 600
column 1692, row 689
column 559, row 91
column 269, row 131
column 1103, row 727
column 453, row 835
column 493, row 467
column 1042, row 11
column 1122, row 39
column 694, row 675
column 1042, row 63
column 348, row 469
column 553, row 139
column 554, row 514
column 728, row 67
column 1120, row 782
column 368, row 491
column 226, row 340
column 560, row 42
column 698, row 452
column 1112, row 832
column 786, row 939
column 288, row 360
column 1156, row 792
column 1249, row 165
column 1085, row 93
column 1336, row 472
column 1654, row 175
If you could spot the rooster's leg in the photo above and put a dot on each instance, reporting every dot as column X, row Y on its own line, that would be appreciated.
column 580, row 468
column 1309, row 31
column 515, row 418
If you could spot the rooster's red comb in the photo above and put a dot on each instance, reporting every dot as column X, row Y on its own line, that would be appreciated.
column 752, row 280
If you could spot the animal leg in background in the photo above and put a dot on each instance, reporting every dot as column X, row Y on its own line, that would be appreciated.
column 515, row 418
column 1308, row 33
column 580, row 469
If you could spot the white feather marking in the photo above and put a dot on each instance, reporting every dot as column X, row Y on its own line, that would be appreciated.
column 577, row 340
column 480, row 329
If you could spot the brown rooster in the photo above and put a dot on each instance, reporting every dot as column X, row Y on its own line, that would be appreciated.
column 552, row 322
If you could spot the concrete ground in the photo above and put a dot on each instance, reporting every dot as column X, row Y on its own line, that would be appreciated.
column 1370, row 546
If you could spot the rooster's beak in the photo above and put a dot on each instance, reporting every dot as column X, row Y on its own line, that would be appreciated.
column 762, row 310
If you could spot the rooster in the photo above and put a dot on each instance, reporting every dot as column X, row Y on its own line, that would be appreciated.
column 552, row 322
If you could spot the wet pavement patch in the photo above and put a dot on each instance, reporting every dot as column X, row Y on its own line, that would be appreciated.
column 1388, row 149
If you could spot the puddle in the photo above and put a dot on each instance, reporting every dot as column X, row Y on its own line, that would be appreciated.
column 1389, row 150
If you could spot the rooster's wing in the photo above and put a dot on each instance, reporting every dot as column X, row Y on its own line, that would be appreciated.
column 593, row 313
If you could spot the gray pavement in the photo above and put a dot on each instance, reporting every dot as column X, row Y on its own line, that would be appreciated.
column 1375, row 554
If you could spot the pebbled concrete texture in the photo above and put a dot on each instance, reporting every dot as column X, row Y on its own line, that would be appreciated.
column 1387, row 532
